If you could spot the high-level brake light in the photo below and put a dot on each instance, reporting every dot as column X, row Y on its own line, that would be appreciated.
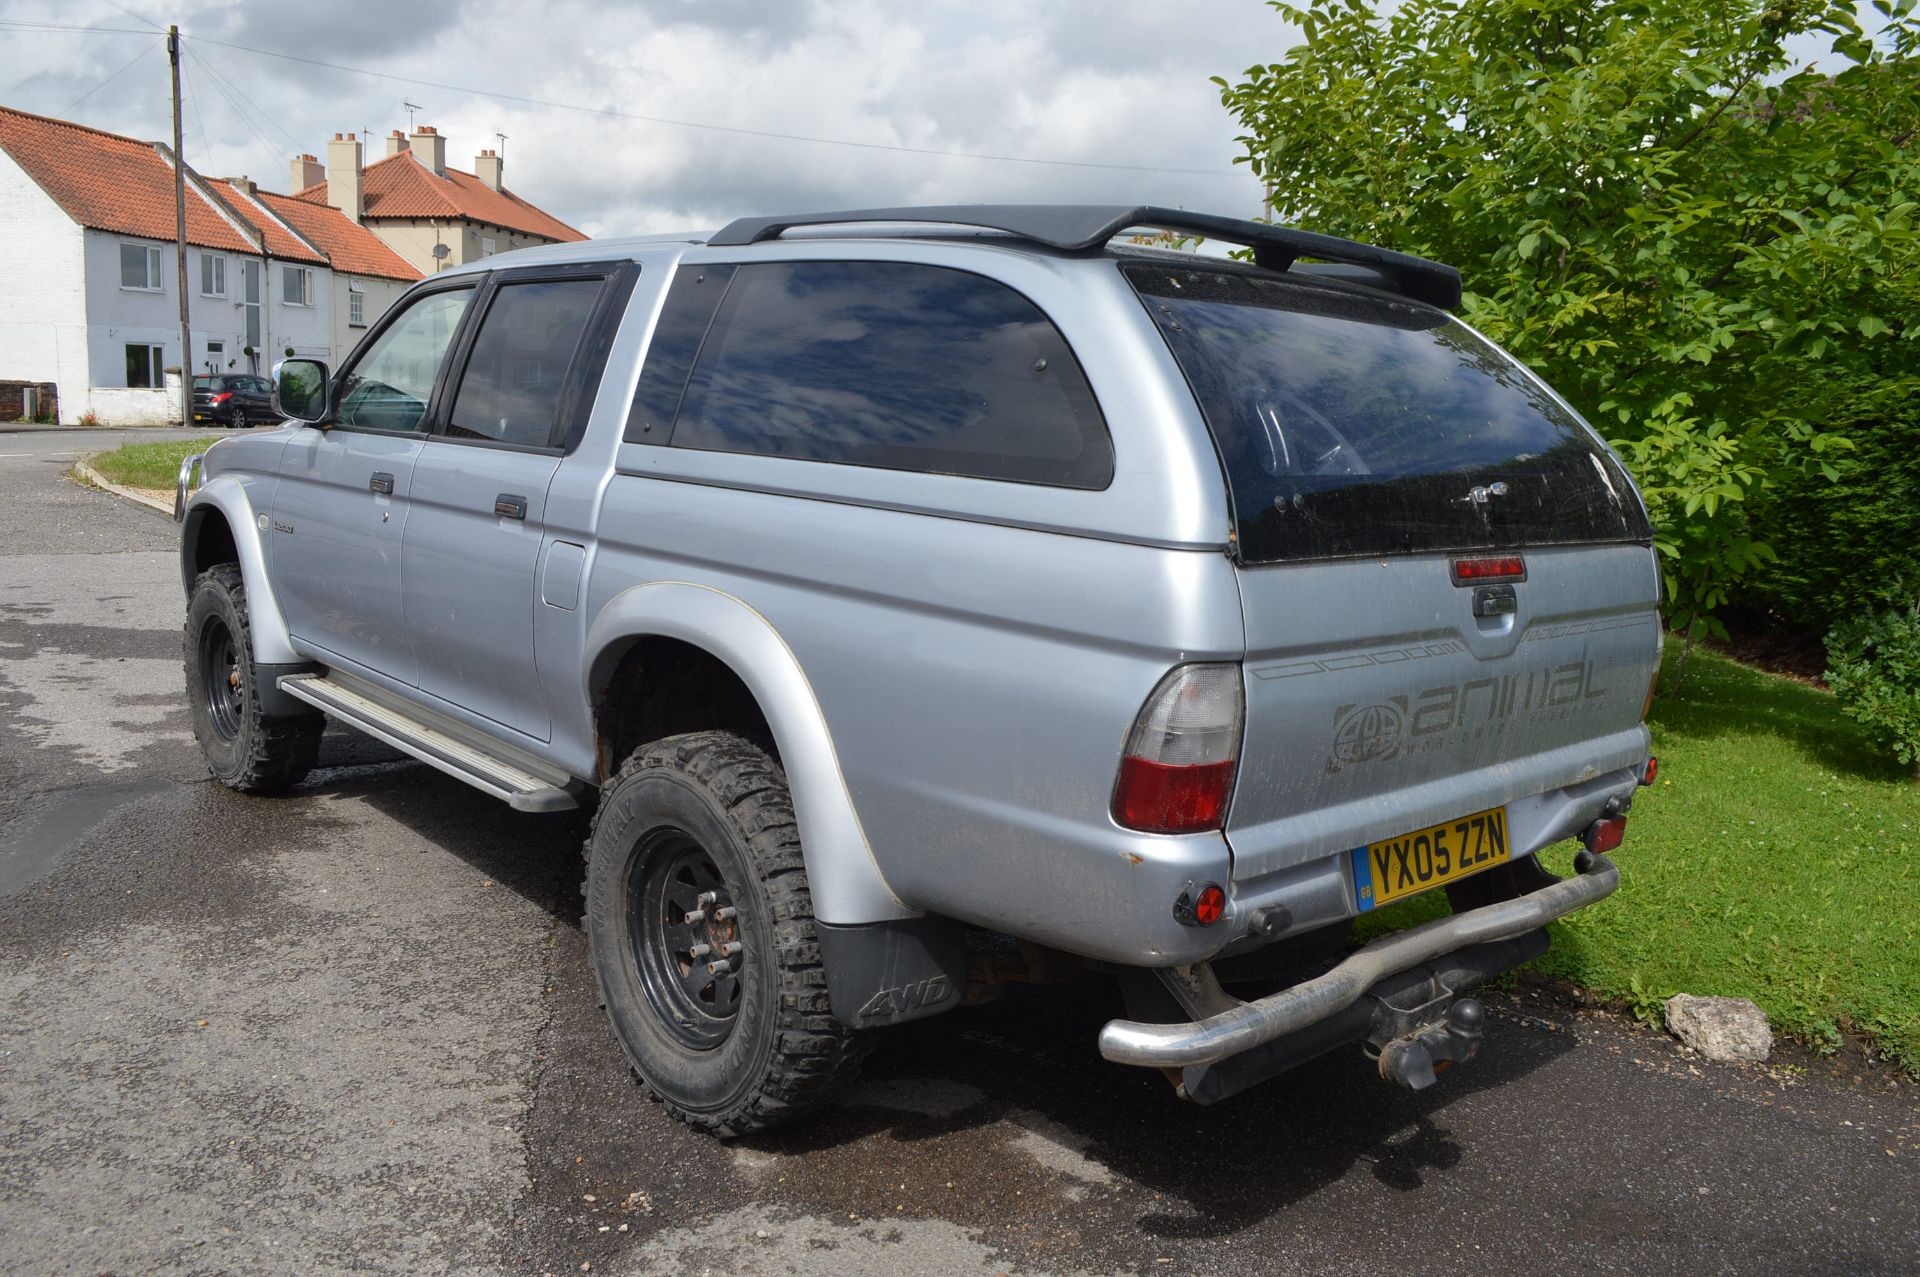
column 1506, row 567
column 1177, row 773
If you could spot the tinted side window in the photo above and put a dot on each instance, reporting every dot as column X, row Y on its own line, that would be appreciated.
column 389, row 387
column 897, row 366
column 517, row 372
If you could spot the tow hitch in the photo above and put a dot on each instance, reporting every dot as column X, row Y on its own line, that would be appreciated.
column 1412, row 1061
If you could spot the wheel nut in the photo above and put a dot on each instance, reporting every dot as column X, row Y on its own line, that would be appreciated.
column 707, row 898
column 699, row 951
column 730, row 948
column 697, row 917
column 725, row 913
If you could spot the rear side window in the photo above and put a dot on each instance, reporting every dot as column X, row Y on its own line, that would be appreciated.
column 1352, row 424
column 892, row 365
column 517, row 373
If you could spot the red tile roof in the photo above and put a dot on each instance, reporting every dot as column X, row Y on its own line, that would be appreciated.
column 401, row 186
column 112, row 183
column 353, row 249
column 280, row 242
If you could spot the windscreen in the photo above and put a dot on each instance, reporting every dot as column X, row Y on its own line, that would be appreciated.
column 1356, row 424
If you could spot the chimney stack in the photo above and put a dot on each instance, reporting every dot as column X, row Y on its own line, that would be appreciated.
column 429, row 148
column 486, row 167
column 396, row 143
column 244, row 184
column 307, row 171
column 343, row 174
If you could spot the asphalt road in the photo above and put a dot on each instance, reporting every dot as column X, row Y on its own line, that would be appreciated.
column 350, row 1030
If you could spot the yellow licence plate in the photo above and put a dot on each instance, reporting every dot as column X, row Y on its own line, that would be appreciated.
column 1384, row 872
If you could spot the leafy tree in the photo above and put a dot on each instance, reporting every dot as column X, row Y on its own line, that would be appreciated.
column 1698, row 245
column 1873, row 663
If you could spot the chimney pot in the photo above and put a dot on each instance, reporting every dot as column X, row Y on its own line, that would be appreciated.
column 306, row 171
column 430, row 149
column 344, row 190
column 486, row 167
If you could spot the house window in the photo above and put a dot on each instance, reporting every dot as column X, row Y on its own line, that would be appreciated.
column 486, row 246
column 140, row 267
column 145, row 367
column 356, row 306
column 296, row 286
column 213, row 275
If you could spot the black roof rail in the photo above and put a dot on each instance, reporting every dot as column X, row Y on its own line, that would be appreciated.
column 1079, row 226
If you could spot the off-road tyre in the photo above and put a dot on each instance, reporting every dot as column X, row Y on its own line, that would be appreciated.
column 244, row 748
column 727, row 1058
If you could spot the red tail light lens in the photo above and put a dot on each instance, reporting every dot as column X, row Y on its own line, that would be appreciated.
column 1603, row 836
column 1508, row 567
column 1652, row 772
column 1177, row 774
column 222, row 397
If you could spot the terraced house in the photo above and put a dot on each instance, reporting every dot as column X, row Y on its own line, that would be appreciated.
column 91, row 322
column 433, row 215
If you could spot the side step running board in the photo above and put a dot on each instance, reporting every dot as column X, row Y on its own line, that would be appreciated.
column 520, row 788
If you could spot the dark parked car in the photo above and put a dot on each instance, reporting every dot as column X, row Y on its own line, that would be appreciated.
column 235, row 401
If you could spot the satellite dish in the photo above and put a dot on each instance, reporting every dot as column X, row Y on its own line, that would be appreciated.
column 440, row 252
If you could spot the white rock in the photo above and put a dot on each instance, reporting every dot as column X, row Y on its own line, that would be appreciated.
column 1731, row 1030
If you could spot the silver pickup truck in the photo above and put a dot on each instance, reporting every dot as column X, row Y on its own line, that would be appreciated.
column 932, row 598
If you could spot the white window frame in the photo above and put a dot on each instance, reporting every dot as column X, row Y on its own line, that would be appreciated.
column 356, row 305
column 156, row 282
column 156, row 366
column 306, row 286
column 214, row 265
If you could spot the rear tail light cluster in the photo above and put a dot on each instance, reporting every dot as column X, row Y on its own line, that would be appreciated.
column 1177, row 773
column 222, row 397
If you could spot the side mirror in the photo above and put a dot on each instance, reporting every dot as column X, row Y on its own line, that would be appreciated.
column 302, row 389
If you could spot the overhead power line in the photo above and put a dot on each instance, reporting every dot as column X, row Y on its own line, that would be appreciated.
column 723, row 128
column 111, row 77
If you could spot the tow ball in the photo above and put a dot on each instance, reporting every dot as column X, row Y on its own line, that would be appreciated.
column 1414, row 1060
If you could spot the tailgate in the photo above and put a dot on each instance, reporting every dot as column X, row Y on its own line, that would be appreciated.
column 1378, row 704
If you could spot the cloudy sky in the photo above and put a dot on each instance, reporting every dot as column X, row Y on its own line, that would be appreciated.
column 1113, row 93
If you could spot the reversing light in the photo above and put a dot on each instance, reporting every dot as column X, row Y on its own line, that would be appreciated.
column 1603, row 836
column 1177, row 772
column 1506, row 567
column 1652, row 770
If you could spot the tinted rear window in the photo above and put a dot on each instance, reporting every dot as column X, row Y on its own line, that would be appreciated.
column 892, row 365
column 1356, row 425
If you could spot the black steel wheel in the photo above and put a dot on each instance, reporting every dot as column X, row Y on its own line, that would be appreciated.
column 245, row 748
column 222, row 693
column 685, row 932
column 701, row 935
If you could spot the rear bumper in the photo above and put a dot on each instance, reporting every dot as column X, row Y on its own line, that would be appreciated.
column 1251, row 1024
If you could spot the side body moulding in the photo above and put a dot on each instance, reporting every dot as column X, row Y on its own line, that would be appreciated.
column 271, row 645
column 846, row 883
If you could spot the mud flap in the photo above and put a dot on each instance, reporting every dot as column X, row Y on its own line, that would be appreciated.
column 891, row 972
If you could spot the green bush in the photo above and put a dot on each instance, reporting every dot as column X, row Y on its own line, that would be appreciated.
column 1842, row 541
column 1873, row 664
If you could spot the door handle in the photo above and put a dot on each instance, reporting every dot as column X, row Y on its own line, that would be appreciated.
column 509, row 506
column 382, row 482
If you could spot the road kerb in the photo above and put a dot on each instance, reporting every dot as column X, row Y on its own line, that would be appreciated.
column 85, row 473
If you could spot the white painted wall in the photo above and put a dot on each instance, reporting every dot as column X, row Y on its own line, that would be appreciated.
column 43, row 319
column 118, row 316
column 380, row 296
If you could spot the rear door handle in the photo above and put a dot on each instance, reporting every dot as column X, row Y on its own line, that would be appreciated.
column 509, row 506
column 382, row 482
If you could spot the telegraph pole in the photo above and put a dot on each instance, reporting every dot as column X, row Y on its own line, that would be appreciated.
column 180, row 229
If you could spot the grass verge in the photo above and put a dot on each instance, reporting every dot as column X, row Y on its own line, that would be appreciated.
column 1777, row 859
column 149, row 465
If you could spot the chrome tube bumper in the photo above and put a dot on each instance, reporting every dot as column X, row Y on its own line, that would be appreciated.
column 1218, row 1037
column 183, row 485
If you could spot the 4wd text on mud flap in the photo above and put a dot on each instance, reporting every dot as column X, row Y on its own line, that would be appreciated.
column 891, row 1002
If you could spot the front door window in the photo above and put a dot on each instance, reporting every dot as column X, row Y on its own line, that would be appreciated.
column 388, row 388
